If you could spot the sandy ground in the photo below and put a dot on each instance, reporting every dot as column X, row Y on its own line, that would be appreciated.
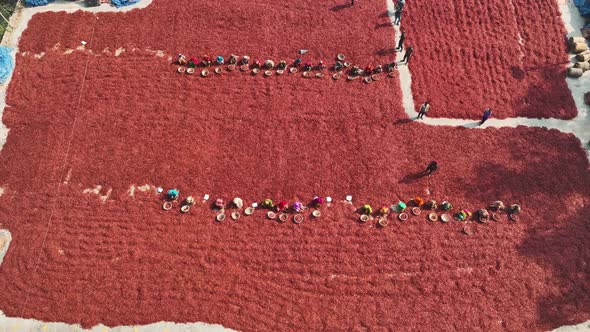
column 578, row 126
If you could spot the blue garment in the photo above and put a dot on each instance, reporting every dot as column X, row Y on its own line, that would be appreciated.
column 486, row 115
column 583, row 7
column 122, row 3
column 6, row 63
column 35, row 3
column 398, row 17
column 173, row 193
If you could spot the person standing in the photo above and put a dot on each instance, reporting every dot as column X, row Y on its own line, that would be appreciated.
column 400, row 43
column 408, row 54
column 423, row 110
column 400, row 4
column 431, row 168
column 398, row 15
column 486, row 115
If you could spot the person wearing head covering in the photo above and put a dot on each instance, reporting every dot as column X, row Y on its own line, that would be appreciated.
column 432, row 167
column 356, row 70
column 317, row 202
column 220, row 60
column 298, row 206
column 267, row 203
column 423, row 110
column 193, row 62
column 172, row 194
column 182, row 59
column 206, row 61
column 486, row 115
column 446, row 206
column 398, row 15
column 269, row 64
column 401, row 206
column 400, row 43
column 282, row 205
column 408, row 54
column 400, row 4
column 297, row 62
column 392, row 66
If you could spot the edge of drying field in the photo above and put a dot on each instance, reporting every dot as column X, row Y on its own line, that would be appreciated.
column 20, row 324
column 19, row 21
column 579, row 126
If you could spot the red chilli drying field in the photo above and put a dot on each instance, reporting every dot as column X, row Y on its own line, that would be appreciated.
column 117, row 258
column 507, row 55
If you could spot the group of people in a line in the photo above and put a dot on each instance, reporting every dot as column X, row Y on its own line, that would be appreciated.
column 397, row 18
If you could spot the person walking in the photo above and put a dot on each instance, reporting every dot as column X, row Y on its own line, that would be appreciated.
column 398, row 15
column 401, row 3
column 423, row 110
column 431, row 168
column 408, row 54
column 486, row 115
column 400, row 43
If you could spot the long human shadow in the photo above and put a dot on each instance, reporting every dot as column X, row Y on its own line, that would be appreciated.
column 382, row 25
column 386, row 51
column 405, row 120
column 338, row 8
column 386, row 13
column 413, row 177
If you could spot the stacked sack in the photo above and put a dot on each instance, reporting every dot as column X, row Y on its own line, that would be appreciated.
column 579, row 46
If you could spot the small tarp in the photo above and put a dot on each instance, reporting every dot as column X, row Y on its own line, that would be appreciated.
column 6, row 63
column 583, row 7
column 123, row 3
column 35, row 3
